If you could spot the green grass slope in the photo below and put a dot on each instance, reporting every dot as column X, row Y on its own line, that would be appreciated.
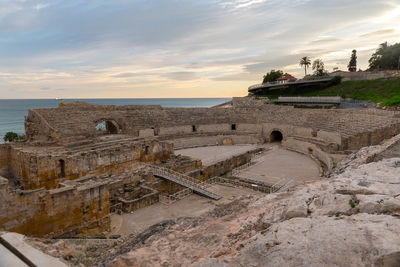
column 385, row 91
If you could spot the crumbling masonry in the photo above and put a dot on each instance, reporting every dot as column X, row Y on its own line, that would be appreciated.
column 82, row 161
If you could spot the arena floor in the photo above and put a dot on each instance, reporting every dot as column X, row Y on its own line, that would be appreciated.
column 213, row 154
column 279, row 164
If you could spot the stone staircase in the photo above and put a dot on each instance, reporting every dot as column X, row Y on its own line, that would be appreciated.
column 183, row 180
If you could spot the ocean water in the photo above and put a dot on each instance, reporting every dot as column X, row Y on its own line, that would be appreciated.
column 14, row 111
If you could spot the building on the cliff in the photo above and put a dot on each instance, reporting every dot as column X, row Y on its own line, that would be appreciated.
column 286, row 78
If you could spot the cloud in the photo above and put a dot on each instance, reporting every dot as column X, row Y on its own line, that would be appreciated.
column 244, row 76
column 325, row 41
column 241, row 3
column 181, row 75
column 379, row 32
column 41, row 6
column 127, row 75
column 134, row 48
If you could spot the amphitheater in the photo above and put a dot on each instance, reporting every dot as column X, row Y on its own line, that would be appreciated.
column 87, row 170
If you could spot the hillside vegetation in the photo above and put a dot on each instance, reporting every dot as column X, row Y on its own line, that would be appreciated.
column 384, row 91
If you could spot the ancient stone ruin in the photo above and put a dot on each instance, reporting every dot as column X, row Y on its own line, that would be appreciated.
column 81, row 162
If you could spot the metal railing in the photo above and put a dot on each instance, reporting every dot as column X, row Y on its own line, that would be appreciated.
column 256, row 186
column 183, row 180
column 157, row 170
column 281, row 185
column 318, row 78
column 237, row 170
column 254, row 157
column 169, row 199
column 310, row 99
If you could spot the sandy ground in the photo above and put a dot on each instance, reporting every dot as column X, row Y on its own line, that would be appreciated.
column 192, row 205
column 278, row 164
column 213, row 154
column 275, row 165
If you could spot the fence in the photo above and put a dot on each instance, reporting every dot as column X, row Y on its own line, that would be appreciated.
column 277, row 83
column 168, row 172
column 169, row 199
column 254, row 157
column 281, row 185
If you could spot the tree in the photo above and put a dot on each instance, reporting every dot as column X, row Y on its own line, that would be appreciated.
column 272, row 76
column 11, row 136
column 353, row 61
column 386, row 57
column 306, row 62
column 318, row 67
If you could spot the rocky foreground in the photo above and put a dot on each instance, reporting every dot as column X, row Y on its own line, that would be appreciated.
column 350, row 219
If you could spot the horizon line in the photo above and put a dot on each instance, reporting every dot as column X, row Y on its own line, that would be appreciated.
column 114, row 98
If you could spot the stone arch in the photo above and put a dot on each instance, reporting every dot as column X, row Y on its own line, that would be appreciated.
column 107, row 126
column 275, row 136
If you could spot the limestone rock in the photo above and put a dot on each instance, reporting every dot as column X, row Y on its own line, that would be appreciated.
column 350, row 220
column 358, row 240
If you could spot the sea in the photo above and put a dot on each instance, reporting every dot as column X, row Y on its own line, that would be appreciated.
column 14, row 111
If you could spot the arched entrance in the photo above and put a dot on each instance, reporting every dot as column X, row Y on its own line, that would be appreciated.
column 275, row 136
column 107, row 127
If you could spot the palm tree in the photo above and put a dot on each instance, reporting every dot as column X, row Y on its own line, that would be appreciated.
column 319, row 67
column 306, row 62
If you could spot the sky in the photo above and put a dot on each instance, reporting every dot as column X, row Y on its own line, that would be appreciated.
column 172, row 48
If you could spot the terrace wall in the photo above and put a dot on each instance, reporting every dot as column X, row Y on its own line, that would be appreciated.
column 247, row 117
column 309, row 148
column 4, row 160
column 365, row 75
column 34, row 170
column 66, row 211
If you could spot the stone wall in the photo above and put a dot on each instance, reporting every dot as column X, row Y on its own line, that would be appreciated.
column 223, row 167
column 129, row 205
column 245, row 133
column 38, row 128
column 368, row 138
column 67, row 211
column 310, row 149
column 365, row 75
column 48, row 169
column 215, row 139
column 4, row 159
column 330, row 137
column 77, row 121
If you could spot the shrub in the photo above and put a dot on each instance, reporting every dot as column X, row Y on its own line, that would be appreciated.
column 335, row 80
column 351, row 203
column 11, row 136
column 393, row 101
column 272, row 76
